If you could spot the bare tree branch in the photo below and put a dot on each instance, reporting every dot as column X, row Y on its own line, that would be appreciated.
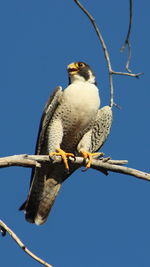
column 24, row 160
column 127, row 40
column 105, row 164
column 5, row 228
column 106, row 54
column 19, row 160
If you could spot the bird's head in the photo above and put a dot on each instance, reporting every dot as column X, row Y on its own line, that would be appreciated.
column 80, row 71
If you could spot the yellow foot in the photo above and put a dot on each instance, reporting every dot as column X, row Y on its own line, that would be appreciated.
column 63, row 155
column 89, row 156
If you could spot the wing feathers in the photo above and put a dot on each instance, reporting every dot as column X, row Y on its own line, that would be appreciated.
column 101, row 128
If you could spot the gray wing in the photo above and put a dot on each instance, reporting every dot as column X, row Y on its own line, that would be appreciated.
column 48, row 112
column 101, row 128
column 41, row 146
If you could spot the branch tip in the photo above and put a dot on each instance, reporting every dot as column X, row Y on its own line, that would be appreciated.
column 21, row 245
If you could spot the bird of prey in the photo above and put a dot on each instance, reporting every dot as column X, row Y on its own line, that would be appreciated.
column 71, row 124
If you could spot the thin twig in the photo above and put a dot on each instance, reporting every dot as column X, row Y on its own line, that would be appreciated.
column 127, row 40
column 121, row 169
column 104, row 49
column 21, row 245
column 136, row 75
column 106, row 54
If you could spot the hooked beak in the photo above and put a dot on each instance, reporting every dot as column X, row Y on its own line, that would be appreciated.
column 72, row 69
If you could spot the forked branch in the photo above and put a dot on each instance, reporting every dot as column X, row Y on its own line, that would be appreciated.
column 106, row 54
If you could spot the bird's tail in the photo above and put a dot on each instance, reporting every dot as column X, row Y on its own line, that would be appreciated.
column 42, row 194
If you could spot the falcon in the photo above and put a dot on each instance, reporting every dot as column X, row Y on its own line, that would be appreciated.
column 71, row 125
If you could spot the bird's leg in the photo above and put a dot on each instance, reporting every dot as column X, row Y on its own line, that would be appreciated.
column 84, row 147
column 89, row 156
column 63, row 155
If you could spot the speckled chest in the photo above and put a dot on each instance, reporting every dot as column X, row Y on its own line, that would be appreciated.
column 79, row 104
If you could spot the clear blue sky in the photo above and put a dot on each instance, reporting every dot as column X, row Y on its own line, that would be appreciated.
column 96, row 221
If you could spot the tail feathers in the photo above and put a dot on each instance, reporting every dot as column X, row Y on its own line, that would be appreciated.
column 45, row 206
column 39, row 204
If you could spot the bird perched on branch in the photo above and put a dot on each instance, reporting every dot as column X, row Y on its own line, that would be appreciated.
column 72, row 124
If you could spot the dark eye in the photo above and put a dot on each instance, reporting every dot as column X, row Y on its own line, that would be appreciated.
column 80, row 64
